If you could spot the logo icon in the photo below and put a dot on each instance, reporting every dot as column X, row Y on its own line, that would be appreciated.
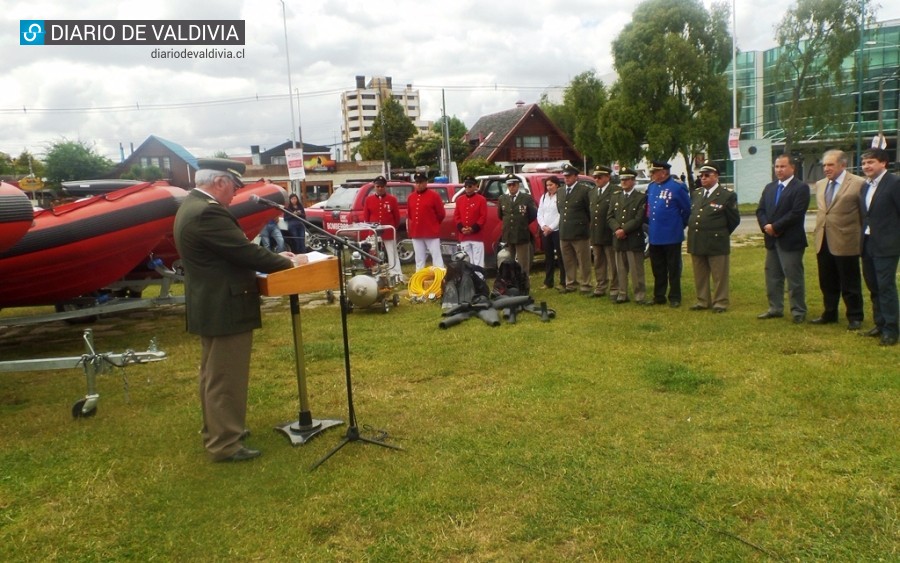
column 31, row 32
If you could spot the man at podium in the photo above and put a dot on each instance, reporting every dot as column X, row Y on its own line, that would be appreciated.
column 222, row 301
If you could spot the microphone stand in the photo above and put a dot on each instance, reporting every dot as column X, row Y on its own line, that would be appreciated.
column 353, row 434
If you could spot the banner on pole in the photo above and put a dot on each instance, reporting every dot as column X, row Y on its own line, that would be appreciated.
column 734, row 143
column 294, row 157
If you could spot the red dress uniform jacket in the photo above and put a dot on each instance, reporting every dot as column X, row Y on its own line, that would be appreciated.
column 384, row 211
column 471, row 211
column 425, row 211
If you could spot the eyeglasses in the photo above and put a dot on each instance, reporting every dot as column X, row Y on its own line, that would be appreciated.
column 706, row 174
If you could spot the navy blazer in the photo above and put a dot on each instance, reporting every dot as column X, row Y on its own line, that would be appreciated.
column 883, row 217
column 788, row 217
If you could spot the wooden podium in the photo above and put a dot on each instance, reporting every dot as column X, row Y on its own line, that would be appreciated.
column 308, row 278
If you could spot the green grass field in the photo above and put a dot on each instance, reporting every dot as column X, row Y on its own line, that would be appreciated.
column 621, row 433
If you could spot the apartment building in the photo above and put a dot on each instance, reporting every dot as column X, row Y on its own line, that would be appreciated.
column 360, row 107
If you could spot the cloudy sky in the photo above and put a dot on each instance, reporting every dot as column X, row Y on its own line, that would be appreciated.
column 483, row 56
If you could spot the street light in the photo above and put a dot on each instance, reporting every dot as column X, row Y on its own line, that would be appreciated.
column 859, row 80
column 287, row 55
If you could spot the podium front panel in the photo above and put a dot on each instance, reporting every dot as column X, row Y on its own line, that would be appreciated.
column 308, row 278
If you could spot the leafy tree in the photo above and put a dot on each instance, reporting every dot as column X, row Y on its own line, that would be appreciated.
column 579, row 115
column 74, row 160
column 478, row 167
column 220, row 154
column 145, row 173
column 397, row 129
column 672, row 95
column 6, row 164
column 425, row 148
column 458, row 128
column 815, row 38
column 26, row 164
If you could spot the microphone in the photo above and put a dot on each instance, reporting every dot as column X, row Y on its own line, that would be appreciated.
column 256, row 199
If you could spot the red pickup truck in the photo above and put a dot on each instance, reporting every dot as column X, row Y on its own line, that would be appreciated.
column 492, row 187
column 346, row 207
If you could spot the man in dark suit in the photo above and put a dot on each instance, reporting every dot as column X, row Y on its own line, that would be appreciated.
column 626, row 218
column 573, row 201
column 222, row 301
column 880, row 207
column 604, row 255
column 714, row 216
column 781, row 214
column 837, row 240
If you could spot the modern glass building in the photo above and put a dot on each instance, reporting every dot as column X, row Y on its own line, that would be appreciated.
column 857, row 118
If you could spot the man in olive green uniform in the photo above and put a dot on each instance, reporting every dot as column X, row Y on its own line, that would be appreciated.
column 605, row 272
column 714, row 216
column 574, row 204
column 517, row 210
column 222, row 301
column 627, row 214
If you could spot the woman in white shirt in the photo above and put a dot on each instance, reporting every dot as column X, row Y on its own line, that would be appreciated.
column 548, row 222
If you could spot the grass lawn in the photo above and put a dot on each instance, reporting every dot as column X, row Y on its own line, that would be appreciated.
column 613, row 432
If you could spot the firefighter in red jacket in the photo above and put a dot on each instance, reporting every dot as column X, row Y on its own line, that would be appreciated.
column 470, row 216
column 425, row 211
column 382, row 208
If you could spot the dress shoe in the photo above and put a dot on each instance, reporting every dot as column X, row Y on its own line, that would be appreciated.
column 243, row 454
column 769, row 315
column 874, row 332
column 620, row 301
column 799, row 319
column 675, row 304
column 649, row 303
column 854, row 325
column 888, row 340
column 598, row 294
column 698, row 307
column 566, row 290
column 822, row 321
column 719, row 309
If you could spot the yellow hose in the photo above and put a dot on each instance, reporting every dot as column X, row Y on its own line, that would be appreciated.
column 426, row 283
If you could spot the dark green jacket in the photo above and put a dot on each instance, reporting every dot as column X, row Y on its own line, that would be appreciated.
column 574, row 211
column 600, row 233
column 629, row 214
column 516, row 214
column 712, row 222
column 220, row 265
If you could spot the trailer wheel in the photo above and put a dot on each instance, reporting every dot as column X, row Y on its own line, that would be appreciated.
column 74, row 306
column 77, row 411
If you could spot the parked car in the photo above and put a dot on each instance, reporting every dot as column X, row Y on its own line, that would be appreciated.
column 492, row 187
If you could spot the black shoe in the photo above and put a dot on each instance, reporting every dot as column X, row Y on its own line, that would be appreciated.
column 719, row 309
column 566, row 290
column 675, row 304
column 854, row 325
column 888, row 340
column 620, row 301
column 598, row 294
column 823, row 321
column 799, row 319
column 243, row 454
column 874, row 332
column 769, row 315
column 649, row 303
column 698, row 307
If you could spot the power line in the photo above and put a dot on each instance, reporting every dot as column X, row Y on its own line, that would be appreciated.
column 143, row 106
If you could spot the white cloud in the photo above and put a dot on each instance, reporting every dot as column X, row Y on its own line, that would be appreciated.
column 484, row 55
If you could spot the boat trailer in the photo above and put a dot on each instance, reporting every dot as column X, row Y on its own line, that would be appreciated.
column 93, row 364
